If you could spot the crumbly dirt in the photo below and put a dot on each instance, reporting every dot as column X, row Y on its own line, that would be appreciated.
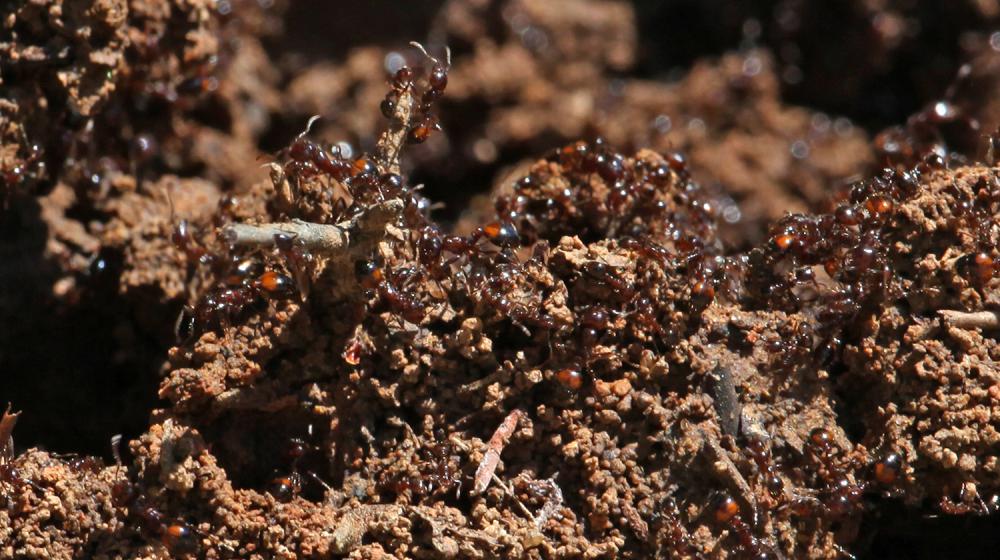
column 706, row 307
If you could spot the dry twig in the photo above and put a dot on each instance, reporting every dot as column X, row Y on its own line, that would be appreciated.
column 7, row 422
column 391, row 142
column 973, row 320
column 492, row 457
column 321, row 239
column 326, row 239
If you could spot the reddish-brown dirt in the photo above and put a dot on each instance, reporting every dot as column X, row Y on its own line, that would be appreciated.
column 674, row 279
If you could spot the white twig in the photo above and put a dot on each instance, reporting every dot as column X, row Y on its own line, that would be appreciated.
column 973, row 320
column 320, row 239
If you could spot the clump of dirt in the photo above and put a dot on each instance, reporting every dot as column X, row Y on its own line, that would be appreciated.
column 626, row 346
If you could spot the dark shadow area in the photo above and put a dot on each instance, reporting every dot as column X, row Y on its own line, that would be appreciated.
column 317, row 30
column 77, row 366
column 898, row 533
column 875, row 67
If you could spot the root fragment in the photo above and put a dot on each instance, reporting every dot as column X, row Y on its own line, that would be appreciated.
column 357, row 234
column 7, row 422
column 973, row 320
column 489, row 464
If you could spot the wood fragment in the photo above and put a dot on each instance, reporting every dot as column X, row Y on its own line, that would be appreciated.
column 390, row 142
column 492, row 457
column 725, row 400
column 971, row 320
column 7, row 422
column 729, row 474
column 357, row 235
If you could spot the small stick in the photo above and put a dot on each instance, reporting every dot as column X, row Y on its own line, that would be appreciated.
column 320, row 239
column 507, row 489
column 510, row 492
column 492, row 457
column 7, row 423
column 976, row 319
column 391, row 142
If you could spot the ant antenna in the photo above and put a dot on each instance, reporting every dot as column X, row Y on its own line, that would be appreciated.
column 170, row 204
column 309, row 125
column 447, row 53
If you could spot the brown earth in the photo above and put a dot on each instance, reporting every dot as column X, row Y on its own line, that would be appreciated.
column 683, row 369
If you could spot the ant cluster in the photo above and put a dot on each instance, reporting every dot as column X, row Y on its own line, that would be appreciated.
column 589, row 190
column 653, row 258
column 438, row 474
column 243, row 283
column 828, row 489
column 404, row 81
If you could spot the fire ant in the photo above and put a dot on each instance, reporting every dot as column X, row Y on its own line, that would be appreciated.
column 726, row 512
column 437, row 80
column 671, row 538
column 376, row 279
column 494, row 286
column 887, row 469
column 604, row 274
column 980, row 267
column 760, row 453
column 439, row 471
column 432, row 244
column 297, row 258
column 841, row 496
column 284, row 487
column 570, row 379
column 177, row 537
column 224, row 304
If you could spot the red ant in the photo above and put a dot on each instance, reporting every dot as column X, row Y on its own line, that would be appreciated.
column 309, row 158
column 437, row 80
column 979, row 267
column 761, row 455
column 671, row 537
column 439, row 471
column 727, row 513
column 177, row 537
column 493, row 288
column 887, row 469
column 284, row 487
column 297, row 258
column 571, row 379
column 603, row 273
column 374, row 278
column 226, row 303
column 841, row 496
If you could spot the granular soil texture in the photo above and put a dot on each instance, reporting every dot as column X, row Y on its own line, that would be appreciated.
column 672, row 306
